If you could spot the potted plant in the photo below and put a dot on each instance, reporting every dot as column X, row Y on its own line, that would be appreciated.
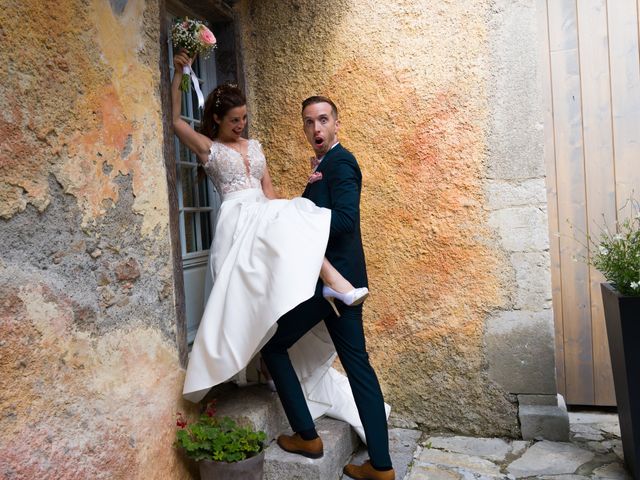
column 222, row 448
column 617, row 256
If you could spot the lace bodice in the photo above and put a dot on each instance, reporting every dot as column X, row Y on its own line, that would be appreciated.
column 227, row 170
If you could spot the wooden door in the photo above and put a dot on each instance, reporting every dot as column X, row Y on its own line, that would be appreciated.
column 590, row 64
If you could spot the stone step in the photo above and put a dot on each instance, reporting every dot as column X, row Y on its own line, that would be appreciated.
column 254, row 405
column 402, row 445
column 339, row 440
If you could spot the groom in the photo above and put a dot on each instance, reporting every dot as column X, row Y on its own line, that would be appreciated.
column 335, row 184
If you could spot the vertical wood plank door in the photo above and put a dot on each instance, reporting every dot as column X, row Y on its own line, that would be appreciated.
column 590, row 65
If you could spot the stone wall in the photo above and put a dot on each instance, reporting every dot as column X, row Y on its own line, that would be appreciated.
column 520, row 338
column 449, row 144
column 89, row 374
column 438, row 101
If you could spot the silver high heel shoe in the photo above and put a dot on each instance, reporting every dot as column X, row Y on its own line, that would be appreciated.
column 351, row 298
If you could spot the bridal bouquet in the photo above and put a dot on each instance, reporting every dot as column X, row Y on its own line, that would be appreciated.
column 194, row 37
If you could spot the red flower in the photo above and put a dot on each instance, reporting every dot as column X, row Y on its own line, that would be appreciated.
column 180, row 421
column 211, row 408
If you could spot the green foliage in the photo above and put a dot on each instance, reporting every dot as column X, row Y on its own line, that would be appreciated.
column 617, row 255
column 219, row 439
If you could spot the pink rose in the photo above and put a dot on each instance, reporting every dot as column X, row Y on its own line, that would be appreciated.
column 206, row 36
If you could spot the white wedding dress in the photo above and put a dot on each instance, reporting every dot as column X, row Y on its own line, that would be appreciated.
column 265, row 260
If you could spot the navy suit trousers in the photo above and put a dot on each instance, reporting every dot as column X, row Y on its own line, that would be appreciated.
column 348, row 337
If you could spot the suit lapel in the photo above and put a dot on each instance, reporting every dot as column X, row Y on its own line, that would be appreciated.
column 327, row 158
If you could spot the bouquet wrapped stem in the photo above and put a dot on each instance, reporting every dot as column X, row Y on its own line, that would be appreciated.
column 186, row 78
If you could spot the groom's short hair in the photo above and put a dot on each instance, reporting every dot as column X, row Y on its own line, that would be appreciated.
column 320, row 99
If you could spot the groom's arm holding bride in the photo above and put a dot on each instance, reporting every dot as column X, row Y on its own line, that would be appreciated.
column 344, row 181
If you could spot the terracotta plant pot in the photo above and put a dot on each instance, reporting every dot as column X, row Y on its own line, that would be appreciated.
column 622, row 316
column 250, row 469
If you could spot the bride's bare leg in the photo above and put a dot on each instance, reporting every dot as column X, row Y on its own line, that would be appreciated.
column 333, row 278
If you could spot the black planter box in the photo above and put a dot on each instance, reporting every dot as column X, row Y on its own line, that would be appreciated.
column 622, row 316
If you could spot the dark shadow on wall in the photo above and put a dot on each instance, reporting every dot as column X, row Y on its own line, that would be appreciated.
column 118, row 6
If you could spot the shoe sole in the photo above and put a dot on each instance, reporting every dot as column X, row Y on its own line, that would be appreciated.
column 356, row 478
column 358, row 302
column 304, row 453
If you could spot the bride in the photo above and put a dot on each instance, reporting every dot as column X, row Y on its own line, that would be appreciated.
column 265, row 259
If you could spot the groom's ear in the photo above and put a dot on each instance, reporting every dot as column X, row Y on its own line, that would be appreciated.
column 337, row 125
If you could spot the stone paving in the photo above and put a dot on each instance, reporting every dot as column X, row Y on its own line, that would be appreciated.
column 594, row 452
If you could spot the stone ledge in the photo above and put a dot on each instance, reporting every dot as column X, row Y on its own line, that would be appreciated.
column 520, row 351
column 339, row 440
column 541, row 419
column 402, row 445
column 255, row 405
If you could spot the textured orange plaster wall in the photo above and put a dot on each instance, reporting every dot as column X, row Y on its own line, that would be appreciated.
column 80, row 101
column 90, row 378
column 77, row 406
column 408, row 78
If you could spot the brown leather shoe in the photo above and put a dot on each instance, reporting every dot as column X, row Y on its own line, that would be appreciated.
column 367, row 472
column 296, row 444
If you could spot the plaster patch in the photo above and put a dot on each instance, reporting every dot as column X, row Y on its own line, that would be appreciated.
column 413, row 110
column 92, row 101
column 78, row 407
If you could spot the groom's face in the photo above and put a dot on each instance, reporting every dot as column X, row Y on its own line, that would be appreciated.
column 320, row 127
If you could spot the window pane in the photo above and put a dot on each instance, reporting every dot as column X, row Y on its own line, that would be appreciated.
column 187, row 175
column 189, row 231
column 185, row 99
column 197, row 113
column 205, row 226
column 203, row 191
column 185, row 154
column 195, row 66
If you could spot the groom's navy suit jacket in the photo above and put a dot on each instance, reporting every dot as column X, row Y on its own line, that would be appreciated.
column 339, row 190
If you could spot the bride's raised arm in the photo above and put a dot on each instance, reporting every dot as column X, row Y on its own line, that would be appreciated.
column 196, row 142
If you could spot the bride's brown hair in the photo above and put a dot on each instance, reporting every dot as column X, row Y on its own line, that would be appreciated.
column 223, row 98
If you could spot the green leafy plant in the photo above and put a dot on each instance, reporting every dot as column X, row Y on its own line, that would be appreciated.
column 219, row 439
column 617, row 254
